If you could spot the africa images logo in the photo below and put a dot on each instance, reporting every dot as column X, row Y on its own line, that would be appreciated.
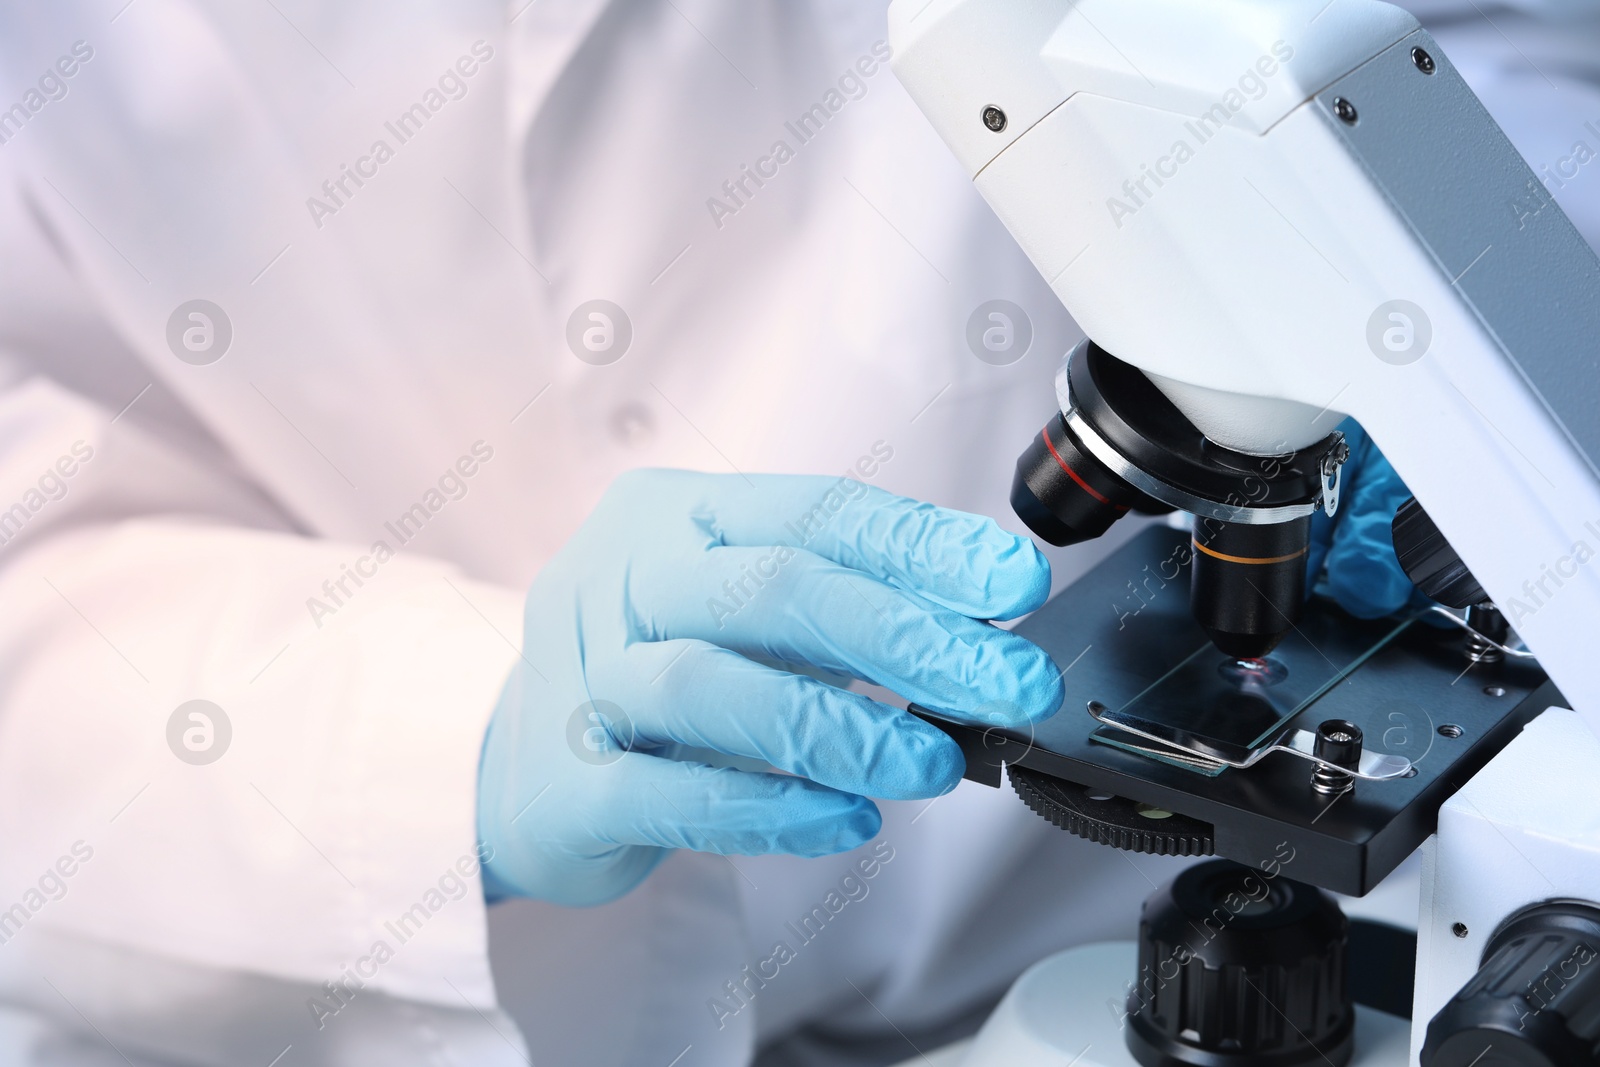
column 199, row 732
column 1399, row 332
column 199, row 332
column 599, row 332
column 999, row 332
column 599, row 733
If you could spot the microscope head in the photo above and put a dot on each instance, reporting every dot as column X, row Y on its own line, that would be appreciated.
column 1119, row 445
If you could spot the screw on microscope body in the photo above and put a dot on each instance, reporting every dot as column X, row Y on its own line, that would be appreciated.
column 1338, row 742
column 1423, row 61
column 994, row 118
column 1487, row 631
column 1345, row 110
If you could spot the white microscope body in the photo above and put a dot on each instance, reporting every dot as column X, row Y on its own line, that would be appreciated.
column 1283, row 212
column 1176, row 169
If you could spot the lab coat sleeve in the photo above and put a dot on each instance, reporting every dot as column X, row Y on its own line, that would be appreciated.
column 331, row 838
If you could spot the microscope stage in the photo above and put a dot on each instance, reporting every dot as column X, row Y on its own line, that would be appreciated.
column 1124, row 637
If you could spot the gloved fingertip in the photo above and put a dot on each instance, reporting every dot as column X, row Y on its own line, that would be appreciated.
column 1016, row 687
column 857, row 823
column 943, row 768
column 916, row 761
column 863, row 824
column 1021, row 579
column 822, row 822
column 1040, row 687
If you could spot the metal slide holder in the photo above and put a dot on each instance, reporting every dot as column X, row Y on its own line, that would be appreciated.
column 1373, row 766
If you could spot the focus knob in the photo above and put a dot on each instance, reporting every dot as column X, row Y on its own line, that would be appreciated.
column 1239, row 968
column 1430, row 562
column 1535, row 1002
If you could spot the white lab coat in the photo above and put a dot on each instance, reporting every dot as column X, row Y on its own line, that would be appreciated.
column 387, row 335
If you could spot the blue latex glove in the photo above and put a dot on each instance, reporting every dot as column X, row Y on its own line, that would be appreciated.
column 642, row 638
column 1357, row 545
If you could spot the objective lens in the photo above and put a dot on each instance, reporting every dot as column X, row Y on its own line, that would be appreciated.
column 1063, row 493
column 1249, row 582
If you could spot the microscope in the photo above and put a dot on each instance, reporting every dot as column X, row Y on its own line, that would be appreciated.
column 1269, row 215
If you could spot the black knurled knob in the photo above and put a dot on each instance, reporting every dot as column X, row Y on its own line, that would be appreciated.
column 1240, row 969
column 1430, row 562
column 1535, row 1001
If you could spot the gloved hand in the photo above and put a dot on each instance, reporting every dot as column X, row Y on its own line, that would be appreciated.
column 1356, row 546
column 642, row 638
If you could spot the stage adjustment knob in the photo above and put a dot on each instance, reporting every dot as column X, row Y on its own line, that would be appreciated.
column 1535, row 1001
column 1240, row 969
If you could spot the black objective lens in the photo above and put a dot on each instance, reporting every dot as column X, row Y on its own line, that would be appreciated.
column 1064, row 494
column 1249, row 582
